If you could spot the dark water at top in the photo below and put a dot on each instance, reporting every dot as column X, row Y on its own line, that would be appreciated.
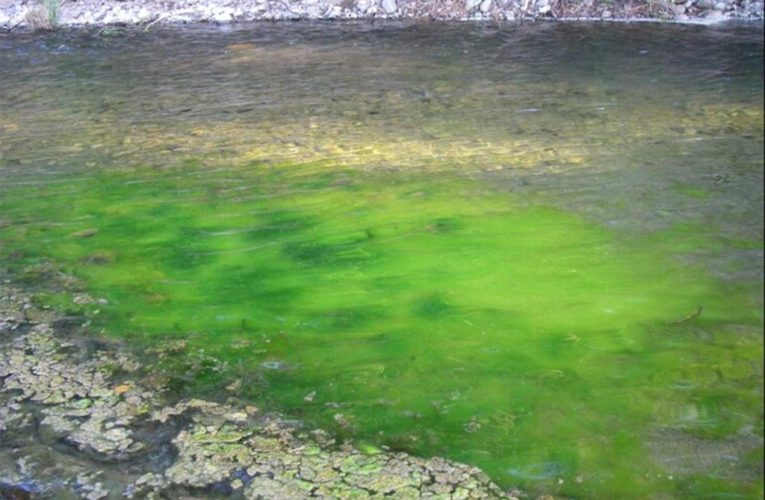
column 536, row 248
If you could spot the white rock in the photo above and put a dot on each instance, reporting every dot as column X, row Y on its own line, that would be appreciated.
column 472, row 4
column 716, row 15
column 313, row 11
column 485, row 6
column 364, row 5
column 389, row 6
column 143, row 15
column 87, row 19
column 544, row 9
column 221, row 16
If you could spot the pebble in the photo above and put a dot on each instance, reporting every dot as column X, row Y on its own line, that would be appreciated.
column 151, row 12
column 364, row 6
column 389, row 6
column 472, row 4
column 121, row 389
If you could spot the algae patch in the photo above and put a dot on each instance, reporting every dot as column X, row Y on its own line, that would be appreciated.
column 434, row 315
column 114, row 437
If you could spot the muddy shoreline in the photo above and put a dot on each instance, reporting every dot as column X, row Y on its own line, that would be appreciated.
column 79, row 420
column 29, row 14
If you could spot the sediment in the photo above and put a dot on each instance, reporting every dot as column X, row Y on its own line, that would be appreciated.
column 77, row 419
column 16, row 14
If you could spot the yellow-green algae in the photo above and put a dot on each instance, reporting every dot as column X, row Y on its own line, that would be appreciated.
column 422, row 312
column 566, row 328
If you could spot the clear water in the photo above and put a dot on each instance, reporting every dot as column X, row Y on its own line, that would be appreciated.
column 533, row 248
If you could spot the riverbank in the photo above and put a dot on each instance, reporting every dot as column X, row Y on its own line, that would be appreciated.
column 48, row 14
column 77, row 419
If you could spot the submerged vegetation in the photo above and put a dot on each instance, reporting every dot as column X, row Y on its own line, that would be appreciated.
column 435, row 314
column 97, row 406
column 479, row 251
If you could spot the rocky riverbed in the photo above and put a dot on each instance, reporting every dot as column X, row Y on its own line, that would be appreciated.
column 34, row 14
column 78, row 420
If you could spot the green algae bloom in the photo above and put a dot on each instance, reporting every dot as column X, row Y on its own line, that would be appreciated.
column 523, row 266
column 434, row 314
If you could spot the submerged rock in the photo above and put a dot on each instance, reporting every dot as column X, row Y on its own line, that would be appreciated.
column 274, row 365
column 678, row 451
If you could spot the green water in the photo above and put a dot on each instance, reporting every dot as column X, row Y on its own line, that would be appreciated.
column 541, row 264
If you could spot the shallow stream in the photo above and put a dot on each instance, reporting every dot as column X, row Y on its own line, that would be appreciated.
column 534, row 248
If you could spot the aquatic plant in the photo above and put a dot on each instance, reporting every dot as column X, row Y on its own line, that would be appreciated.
column 45, row 16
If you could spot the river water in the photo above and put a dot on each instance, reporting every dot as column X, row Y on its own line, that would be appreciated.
column 535, row 248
